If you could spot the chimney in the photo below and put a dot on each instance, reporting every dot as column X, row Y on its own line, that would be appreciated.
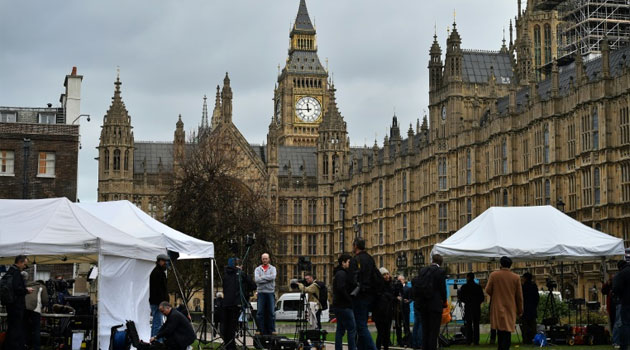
column 71, row 100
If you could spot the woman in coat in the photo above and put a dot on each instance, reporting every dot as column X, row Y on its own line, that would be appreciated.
column 383, row 311
column 504, row 289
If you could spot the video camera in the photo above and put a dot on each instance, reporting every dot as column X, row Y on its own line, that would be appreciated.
column 551, row 284
column 304, row 264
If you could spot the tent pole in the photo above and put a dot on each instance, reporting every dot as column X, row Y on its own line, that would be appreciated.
column 212, row 263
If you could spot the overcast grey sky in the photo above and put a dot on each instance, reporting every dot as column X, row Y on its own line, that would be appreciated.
column 171, row 53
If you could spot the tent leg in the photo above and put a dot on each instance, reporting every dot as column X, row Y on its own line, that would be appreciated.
column 212, row 263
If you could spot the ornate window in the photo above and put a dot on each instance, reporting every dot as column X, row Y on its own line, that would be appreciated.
column 312, row 212
column 443, row 217
column 404, row 227
column 625, row 182
column 126, row 161
column 297, row 245
column 505, row 198
column 595, row 129
column 381, row 235
column 442, row 173
column 359, row 200
column 547, row 192
column 624, row 125
column 116, row 159
column 537, row 47
column 404, row 187
column 380, row 194
column 571, row 140
column 297, row 212
column 596, row 186
column 504, row 157
column 547, row 43
column 468, row 168
column 572, row 193
column 546, row 144
column 525, row 153
column 283, row 212
column 587, row 194
column 312, row 245
column 468, row 210
column 106, row 160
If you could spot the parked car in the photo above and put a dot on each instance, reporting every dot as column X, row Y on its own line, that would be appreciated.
column 288, row 305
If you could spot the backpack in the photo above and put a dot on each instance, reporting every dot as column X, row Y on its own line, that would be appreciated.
column 323, row 294
column 6, row 289
column 423, row 289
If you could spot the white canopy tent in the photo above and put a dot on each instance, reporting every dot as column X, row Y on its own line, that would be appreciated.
column 56, row 231
column 527, row 233
column 125, row 216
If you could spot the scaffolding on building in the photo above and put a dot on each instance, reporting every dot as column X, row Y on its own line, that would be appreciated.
column 586, row 22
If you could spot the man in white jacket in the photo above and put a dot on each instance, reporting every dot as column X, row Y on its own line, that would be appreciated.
column 265, row 278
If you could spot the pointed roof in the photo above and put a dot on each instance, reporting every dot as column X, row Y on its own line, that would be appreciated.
column 332, row 119
column 204, row 113
column 303, row 20
column 117, row 110
column 180, row 123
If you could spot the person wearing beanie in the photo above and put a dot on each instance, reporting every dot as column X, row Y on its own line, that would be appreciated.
column 158, row 292
column 506, row 293
column 383, row 311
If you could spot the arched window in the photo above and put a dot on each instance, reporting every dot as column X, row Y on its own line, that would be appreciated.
column 468, row 168
column 126, row 161
column 537, row 53
column 547, row 43
column 106, row 160
column 595, row 129
column 546, row 143
column 117, row 159
column 505, row 198
column 547, row 192
column 596, row 186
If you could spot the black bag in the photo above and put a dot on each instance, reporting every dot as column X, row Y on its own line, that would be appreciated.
column 423, row 289
column 7, row 296
column 323, row 294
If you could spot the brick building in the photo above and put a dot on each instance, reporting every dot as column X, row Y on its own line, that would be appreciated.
column 39, row 147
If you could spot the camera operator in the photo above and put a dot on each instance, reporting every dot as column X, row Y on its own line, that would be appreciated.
column 370, row 283
column 234, row 281
column 530, row 306
column 309, row 285
column 158, row 292
column 471, row 294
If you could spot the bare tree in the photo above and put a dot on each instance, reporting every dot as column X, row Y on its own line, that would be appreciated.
column 212, row 199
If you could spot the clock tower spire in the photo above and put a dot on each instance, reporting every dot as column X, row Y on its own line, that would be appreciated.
column 301, row 96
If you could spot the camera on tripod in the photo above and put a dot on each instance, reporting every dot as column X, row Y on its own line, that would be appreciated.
column 304, row 264
column 551, row 284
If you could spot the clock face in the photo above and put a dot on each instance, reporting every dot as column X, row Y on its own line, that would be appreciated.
column 444, row 113
column 308, row 109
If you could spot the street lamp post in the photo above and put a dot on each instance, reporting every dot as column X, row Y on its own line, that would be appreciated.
column 560, row 206
column 344, row 197
column 401, row 263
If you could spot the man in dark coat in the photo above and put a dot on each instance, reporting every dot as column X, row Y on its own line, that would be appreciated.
column 471, row 294
column 177, row 330
column 369, row 282
column 432, row 305
column 530, row 307
column 158, row 291
column 15, row 310
column 342, row 304
column 621, row 288
column 234, row 281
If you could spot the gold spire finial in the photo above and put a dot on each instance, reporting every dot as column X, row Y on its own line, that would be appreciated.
column 454, row 16
column 435, row 29
column 117, row 72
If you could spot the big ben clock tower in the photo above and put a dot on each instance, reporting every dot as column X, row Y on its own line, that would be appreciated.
column 301, row 95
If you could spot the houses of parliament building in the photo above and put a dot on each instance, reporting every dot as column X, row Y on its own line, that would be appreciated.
column 502, row 130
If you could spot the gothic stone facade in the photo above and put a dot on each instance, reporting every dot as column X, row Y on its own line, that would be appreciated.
column 490, row 139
